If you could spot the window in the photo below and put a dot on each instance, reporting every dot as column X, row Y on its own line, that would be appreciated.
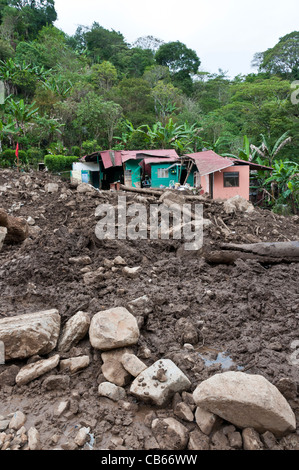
column 231, row 179
column 163, row 173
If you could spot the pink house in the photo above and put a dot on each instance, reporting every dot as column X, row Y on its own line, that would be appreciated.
column 223, row 178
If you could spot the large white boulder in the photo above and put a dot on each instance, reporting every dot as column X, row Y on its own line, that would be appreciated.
column 247, row 401
column 159, row 383
column 3, row 233
column 30, row 334
column 113, row 329
column 238, row 203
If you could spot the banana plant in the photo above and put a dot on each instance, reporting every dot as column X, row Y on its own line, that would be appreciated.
column 269, row 153
column 22, row 113
column 5, row 129
column 58, row 86
column 244, row 153
column 286, row 177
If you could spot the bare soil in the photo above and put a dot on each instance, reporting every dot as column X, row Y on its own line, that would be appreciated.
column 246, row 311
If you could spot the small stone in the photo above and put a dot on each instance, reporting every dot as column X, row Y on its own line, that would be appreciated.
column 75, row 364
column 198, row 441
column 113, row 369
column 82, row 437
column 219, row 441
column 114, row 328
column 51, row 188
column 17, row 421
column 34, row 439
column 269, row 439
column 62, row 407
column 170, row 434
column 235, row 440
column 57, row 382
column 75, row 329
column 132, row 364
column 183, row 412
column 206, row 421
column 8, row 376
column 251, row 439
column 4, row 425
column 109, row 390
column 83, row 260
column 157, row 392
column 119, row 261
column 131, row 272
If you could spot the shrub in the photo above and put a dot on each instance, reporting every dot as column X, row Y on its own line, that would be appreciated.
column 35, row 156
column 9, row 159
column 90, row 146
column 76, row 151
column 59, row 163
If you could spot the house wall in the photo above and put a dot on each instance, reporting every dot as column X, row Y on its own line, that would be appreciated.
column 135, row 169
column 220, row 192
column 157, row 182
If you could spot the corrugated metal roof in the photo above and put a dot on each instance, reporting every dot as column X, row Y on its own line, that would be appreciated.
column 209, row 162
column 136, row 154
column 252, row 164
column 111, row 158
column 148, row 161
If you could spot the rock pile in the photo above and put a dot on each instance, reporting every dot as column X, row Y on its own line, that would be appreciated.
column 17, row 228
column 231, row 410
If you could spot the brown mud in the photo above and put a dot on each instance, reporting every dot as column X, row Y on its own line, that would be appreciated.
column 247, row 311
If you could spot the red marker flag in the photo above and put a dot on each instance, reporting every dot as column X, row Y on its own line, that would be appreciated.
column 17, row 154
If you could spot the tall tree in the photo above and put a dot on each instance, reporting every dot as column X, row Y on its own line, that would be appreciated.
column 282, row 59
column 182, row 62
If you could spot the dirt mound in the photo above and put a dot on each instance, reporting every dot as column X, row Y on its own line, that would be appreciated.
column 206, row 318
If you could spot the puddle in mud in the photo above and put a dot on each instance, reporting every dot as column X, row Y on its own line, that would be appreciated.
column 221, row 358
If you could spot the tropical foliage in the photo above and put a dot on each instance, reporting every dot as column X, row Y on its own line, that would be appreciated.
column 69, row 95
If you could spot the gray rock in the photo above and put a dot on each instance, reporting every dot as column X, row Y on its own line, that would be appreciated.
column 160, row 382
column 17, row 421
column 33, row 371
column 34, row 439
column 170, row 434
column 206, row 421
column 26, row 335
column 198, row 441
column 3, row 233
column 132, row 364
column 251, row 439
column 51, row 188
column 56, row 382
column 112, row 329
column 247, row 401
column 183, row 411
column 113, row 369
column 109, row 390
column 74, row 331
column 74, row 364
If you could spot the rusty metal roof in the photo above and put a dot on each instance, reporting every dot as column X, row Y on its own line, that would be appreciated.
column 209, row 162
column 251, row 164
column 141, row 154
column 112, row 158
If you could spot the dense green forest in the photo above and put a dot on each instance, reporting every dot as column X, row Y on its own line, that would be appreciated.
column 72, row 95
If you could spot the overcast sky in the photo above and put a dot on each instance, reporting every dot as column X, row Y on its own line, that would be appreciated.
column 224, row 33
